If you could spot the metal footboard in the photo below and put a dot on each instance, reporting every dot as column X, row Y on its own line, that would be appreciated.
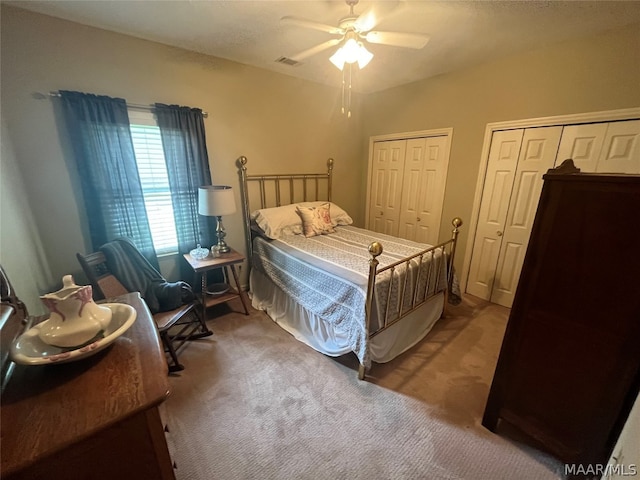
column 418, row 298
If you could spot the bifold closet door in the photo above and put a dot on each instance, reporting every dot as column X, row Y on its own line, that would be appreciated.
column 425, row 176
column 537, row 155
column 501, row 169
column 582, row 144
column 612, row 147
column 517, row 161
column 386, row 186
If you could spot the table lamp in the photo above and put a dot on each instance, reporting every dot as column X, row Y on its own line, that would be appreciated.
column 216, row 201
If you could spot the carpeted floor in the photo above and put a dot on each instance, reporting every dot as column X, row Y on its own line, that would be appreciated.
column 254, row 403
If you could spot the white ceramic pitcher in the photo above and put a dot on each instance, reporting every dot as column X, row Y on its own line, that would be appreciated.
column 75, row 318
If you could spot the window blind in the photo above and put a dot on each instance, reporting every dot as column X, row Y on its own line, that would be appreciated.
column 152, row 169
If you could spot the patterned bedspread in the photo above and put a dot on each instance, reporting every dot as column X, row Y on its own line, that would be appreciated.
column 328, row 275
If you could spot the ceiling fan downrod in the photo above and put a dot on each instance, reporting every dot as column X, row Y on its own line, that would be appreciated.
column 348, row 22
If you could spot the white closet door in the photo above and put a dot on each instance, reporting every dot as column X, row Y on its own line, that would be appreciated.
column 583, row 144
column 501, row 168
column 537, row 155
column 431, row 194
column 425, row 175
column 386, row 186
column 411, row 187
column 621, row 149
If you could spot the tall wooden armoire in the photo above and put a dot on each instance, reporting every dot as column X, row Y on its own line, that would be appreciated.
column 569, row 367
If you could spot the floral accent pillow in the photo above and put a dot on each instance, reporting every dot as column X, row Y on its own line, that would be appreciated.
column 315, row 220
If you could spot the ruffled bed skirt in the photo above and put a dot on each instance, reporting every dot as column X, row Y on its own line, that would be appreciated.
column 326, row 338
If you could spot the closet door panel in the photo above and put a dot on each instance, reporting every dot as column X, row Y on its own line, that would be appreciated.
column 583, row 144
column 621, row 149
column 411, row 186
column 386, row 188
column 408, row 218
column 430, row 210
column 432, row 186
column 503, row 160
column 537, row 155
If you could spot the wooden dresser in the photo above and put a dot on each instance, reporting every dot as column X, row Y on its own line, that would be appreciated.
column 96, row 418
column 569, row 368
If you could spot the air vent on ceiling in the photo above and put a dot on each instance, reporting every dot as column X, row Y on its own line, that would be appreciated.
column 288, row 61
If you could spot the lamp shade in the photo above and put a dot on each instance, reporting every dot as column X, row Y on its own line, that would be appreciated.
column 216, row 200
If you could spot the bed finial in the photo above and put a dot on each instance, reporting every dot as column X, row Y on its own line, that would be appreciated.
column 330, row 163
column 242, row 161
column 375, row 249
column 457, row 222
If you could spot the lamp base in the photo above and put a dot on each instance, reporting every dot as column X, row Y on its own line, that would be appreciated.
column 218, row 250
column 221, row 247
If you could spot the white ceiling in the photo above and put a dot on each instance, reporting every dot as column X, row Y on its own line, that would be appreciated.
column 463, row 33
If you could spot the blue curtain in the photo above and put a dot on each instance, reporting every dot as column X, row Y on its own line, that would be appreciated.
column 99, row 130
column 185, row 151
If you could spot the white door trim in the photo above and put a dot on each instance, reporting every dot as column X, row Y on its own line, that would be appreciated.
column 437, row 132
column 571, row 119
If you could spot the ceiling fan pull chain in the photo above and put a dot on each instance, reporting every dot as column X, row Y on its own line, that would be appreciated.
column 342, row 111
column 342, row 94
column 349, row 99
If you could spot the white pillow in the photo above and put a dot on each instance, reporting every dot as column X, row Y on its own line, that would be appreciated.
column 284, row 220
column 278, row 221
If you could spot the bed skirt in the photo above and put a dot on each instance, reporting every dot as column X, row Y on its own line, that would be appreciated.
column 310, row 329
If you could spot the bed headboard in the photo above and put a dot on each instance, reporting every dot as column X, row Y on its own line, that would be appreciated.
column 274, row 190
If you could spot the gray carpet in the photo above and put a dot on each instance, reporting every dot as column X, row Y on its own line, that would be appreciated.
column 254, row 403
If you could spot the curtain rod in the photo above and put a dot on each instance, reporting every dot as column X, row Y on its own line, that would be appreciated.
column 132, row 105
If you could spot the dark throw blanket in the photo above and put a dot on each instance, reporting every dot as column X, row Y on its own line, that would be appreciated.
column 137, row 275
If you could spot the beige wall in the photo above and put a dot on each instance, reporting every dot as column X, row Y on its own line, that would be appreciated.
column 592, row 74
column 21, row 250
column 278, row 122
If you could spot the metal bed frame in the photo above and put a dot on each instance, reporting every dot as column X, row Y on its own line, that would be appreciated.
column 310, row 183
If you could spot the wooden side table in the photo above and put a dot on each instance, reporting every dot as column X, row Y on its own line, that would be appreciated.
column 227, row 261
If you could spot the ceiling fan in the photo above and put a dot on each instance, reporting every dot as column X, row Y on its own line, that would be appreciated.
column 352, row 31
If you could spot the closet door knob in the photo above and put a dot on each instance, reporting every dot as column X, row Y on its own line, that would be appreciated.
column 418, row 219
column 499, row 233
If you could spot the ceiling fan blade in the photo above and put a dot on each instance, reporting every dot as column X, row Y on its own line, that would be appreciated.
column 303, row 22
column 373, row 15
column 314, row 50
column 398, row 39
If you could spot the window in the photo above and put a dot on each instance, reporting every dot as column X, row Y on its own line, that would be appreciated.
column 152, row 169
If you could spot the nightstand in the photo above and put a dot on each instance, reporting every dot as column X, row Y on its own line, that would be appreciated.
column 227, row 262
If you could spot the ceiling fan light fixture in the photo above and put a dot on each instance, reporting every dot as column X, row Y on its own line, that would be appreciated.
column 338, row 59
column 364, row 57
column 351, row 52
